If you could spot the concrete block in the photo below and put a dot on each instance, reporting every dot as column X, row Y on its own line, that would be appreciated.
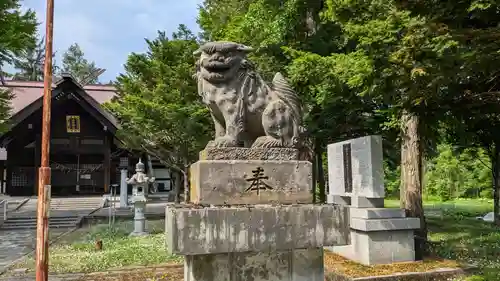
column 242, row 182
column 382, row 247
column 191, row 231
column 355, row 168
column 385, row 224
column 297, row 265
column 364, row 202
column 338, row 200
column 241, row 153
column 355, row 201
column 376, row 213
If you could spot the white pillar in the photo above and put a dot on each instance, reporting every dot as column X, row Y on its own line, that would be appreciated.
column 123, row 189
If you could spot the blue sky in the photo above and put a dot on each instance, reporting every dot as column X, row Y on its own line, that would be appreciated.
column 109, row 30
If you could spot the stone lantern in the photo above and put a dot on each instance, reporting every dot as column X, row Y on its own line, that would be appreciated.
column 140, row 183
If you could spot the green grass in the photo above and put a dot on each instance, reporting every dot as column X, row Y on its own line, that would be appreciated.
column 459, row 236
column 76, row 252
column 468, row 240
column 464, row 207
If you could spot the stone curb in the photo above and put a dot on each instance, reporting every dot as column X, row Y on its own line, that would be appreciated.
column 5, row 268
column 434, row 275
column 138, row 268
column 71, row 276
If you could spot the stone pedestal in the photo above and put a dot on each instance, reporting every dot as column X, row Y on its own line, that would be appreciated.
column 260, row 225
column 378, row 235
column 139, row 218
column 220, row 182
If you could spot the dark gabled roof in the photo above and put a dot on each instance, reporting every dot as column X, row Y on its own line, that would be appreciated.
column 94, row 95
column 65, row 83
column 26, row 92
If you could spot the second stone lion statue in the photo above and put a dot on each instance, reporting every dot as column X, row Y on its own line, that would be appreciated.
column 245, row 109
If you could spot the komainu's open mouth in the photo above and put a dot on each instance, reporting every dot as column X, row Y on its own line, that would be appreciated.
column 216, row 66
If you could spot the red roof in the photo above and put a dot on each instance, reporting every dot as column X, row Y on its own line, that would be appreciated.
column 26, row 92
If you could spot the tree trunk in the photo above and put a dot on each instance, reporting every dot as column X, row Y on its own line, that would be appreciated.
column 185, row 175
column 402, row 187
column 320, row 174
column 411, row 177
column 495, row 160
column 177, row 186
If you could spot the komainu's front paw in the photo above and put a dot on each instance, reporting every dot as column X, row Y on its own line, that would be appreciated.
column 225, row 141
column 267, row 142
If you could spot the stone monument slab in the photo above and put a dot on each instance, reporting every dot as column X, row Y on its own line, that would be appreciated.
column 221, row 182
column 356, row 172
column 253, row 229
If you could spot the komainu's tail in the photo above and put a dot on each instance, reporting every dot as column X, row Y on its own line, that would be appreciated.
column 286, row 94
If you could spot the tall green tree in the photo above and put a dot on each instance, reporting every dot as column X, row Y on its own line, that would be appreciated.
column 158, row 106
column 472, row 101
column 30, row 63
column 75, row 63
column 17, row 32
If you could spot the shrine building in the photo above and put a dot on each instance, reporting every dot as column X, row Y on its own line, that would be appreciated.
column 85, row 154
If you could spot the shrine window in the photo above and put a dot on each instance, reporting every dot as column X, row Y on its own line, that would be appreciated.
column 72, row 123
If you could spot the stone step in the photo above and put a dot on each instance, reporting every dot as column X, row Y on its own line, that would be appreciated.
column 31, row 223
column 24, row 219
column 20, row 227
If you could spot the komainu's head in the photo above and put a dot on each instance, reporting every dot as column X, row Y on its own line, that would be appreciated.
column 221, row 61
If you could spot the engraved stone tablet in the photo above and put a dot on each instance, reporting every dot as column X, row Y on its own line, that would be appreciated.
column 355, row 168
column 220, row 182
column 346, row 157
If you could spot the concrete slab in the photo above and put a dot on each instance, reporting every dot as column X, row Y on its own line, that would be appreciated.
column 385, row 224
column 376, row 213
column 264, row 228
column 241, row 182
column 355, row 201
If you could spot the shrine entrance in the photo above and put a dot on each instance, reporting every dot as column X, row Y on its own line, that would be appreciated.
column 74, row 174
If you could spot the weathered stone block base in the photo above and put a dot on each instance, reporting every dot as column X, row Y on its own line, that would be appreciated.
column 296, row 265
column 212, row 230
column 242, row 182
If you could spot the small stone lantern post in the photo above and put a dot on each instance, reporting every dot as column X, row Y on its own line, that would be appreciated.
column 139, row 182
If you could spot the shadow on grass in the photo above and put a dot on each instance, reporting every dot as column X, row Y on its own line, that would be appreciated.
column 468, row 240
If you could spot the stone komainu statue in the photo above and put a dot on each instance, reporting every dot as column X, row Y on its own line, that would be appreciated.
column 244, row 108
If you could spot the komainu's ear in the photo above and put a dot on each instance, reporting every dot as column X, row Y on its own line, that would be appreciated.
column 197, row 52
